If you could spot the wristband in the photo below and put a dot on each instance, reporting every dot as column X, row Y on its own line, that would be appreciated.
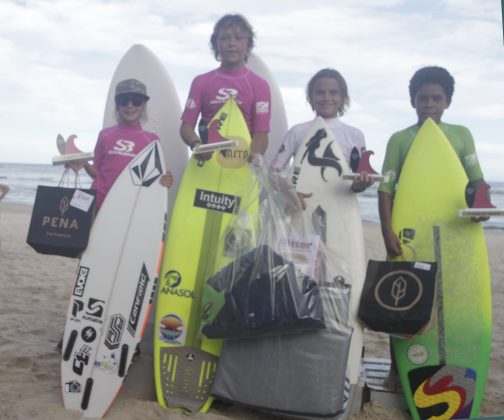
column 193, row 144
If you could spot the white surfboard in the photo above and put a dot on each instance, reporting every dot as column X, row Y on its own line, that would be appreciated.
column 333, row 202
column 115, row 279
column 163, row 108
column 278, row 124
column 333, row 211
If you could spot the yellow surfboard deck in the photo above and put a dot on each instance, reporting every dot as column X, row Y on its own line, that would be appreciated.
column 200, row 242
column 444, row 370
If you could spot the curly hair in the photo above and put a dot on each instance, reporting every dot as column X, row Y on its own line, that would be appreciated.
column 432, row 75
column 226, row 22
column 330, row 74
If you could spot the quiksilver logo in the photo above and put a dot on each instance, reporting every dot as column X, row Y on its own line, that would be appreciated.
column 217, row 201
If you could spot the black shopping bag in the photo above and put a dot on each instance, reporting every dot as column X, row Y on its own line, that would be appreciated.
column 398, row 296
column 260, row 294
column 60, row 226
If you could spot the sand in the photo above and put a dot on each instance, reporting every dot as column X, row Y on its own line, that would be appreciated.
column 33, row 299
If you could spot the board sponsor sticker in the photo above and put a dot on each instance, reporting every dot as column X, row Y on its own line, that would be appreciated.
column 212, row 200
column 80, row 284
column 136, row 307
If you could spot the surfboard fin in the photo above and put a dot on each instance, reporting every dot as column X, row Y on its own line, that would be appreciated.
column 478, row 202
column 364, row 165
column 69, row 152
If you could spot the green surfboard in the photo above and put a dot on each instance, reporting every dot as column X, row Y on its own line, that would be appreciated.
column 444, row 370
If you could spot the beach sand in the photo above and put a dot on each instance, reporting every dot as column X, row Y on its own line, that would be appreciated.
column 33, row 299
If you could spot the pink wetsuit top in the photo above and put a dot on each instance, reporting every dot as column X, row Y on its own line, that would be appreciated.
column 211, row 90
column 114, row 149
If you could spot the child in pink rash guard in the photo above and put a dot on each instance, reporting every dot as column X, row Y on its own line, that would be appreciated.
column 231, row 42
column 118, row 145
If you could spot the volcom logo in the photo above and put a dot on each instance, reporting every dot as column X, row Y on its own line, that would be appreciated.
column 328, row 158
column 398, row 290
column 211, row 200
column 80, row 283
column 114, row 331
column 138, row 301
column 145, row 171
column 124, row 146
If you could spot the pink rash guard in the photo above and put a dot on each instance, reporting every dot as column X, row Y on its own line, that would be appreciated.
column 211, row 90
column 115, row 148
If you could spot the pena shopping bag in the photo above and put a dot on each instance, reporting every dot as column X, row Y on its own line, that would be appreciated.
column 61, row 220
column 398, row 296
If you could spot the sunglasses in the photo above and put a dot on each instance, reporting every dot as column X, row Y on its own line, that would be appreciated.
column 125, row 99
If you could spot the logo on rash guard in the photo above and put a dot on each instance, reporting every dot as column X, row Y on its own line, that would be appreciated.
column 226, row 93
column 124, row 146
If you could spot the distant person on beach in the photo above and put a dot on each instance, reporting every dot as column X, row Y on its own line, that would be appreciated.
column 118, row 145
column 4, row 189
column 431, row 90
column 327, row 94
column 231, row 41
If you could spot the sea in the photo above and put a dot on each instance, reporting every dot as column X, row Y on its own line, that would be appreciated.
column 23, row 180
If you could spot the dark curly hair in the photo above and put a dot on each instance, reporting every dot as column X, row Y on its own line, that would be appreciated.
column 330, row 74
column 228, row 21
column 435, row 75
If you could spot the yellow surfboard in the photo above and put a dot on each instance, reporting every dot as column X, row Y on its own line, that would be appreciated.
column 444, row 370
column 200, row 242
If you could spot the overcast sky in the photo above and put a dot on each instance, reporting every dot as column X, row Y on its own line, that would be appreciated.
column 57, row 59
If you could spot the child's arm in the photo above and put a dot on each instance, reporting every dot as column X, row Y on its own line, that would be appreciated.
column 392, row 243
column 259, row 144
column 166, row 179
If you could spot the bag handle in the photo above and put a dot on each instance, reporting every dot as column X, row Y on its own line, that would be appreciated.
column 65, row 180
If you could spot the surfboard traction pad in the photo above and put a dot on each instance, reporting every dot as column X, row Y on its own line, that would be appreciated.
column 187, row 374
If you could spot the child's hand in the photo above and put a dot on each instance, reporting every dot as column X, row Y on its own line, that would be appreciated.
column 166, row 179
column 392, row 244
column 302, row 197
column 75, row 166
column 361, row 182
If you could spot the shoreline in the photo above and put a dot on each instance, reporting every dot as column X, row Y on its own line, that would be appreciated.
column 33, row 304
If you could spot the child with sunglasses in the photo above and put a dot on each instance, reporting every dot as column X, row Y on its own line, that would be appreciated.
column 117, row 145
column 232, row 41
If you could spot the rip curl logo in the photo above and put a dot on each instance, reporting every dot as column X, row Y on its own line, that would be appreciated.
column 211, row 200
column 398, row 290
column 148, row 169
column 328, row 159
